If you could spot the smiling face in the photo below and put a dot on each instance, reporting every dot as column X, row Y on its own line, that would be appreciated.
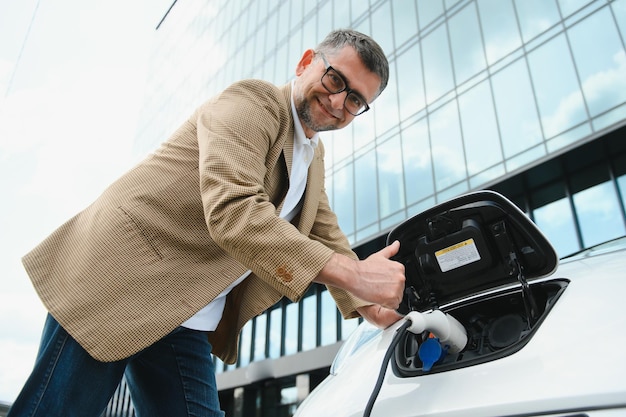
column 320, row 110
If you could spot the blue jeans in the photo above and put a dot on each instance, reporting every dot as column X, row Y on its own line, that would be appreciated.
column 173, row 377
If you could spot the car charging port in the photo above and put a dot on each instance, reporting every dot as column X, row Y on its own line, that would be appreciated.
column 496, row 324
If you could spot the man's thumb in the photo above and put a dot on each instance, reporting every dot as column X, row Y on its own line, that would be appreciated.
column 390, row 250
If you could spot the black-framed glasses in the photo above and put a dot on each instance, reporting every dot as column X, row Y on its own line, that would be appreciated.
column 334, row 83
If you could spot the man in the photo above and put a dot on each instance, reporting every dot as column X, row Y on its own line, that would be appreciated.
column 224, row 219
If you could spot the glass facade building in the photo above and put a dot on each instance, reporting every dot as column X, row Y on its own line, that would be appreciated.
column 526, row 97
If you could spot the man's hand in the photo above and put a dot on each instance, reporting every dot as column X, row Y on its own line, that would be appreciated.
column 378, row 315
column 376, row 279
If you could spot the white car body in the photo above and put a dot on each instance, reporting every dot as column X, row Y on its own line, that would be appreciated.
column 572, row 365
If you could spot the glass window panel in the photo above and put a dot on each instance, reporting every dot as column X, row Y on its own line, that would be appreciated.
column 570, row 6
column 367, row 232
column 404, row 20
column 308, row 7
column 342, row 14
column 453, row 191
column 410, row 82
column 568, row 138
column 418, row 170
column 421, row 206
column 347, row 327
column 619, row 11
column 358, row 7
column 599, row 214
column 450, row 3
column 276, row 325
column 556, row 221
column 499, row 25
column 309, row 322
column 487, row 175
column 283, row 19
column 259, row 46
column 480, row 131
column 245, row 344
column 296, row 14
column 281, row 76
column 342, row 142
column 260, row 331
column 621, row 183
column 364, row 126
column 288, row 395
column 380, row 31
column 536, row 16
column 391, row 188
column 343, row 198
column 447, row 146
column 609, row 118
column 291, row 328
column 324, row 21
column 428, row 10
column 385, row 107
column 600, row 60
column 437, row 64
column 329, row 319
column 467, row 46
column 269, row 65
column 294, row 52
column 515, row 106
column 309, row 39
column 366, row 190
column 556, row 87
column 525, row 157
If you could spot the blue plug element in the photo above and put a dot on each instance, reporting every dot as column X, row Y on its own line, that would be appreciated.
column 430, row 352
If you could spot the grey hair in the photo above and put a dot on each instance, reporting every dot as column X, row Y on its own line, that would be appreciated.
column 370, row 52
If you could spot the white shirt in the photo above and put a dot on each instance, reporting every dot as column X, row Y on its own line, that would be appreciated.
column 209, row 317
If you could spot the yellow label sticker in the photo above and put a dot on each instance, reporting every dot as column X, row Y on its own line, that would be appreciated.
column 457, row 255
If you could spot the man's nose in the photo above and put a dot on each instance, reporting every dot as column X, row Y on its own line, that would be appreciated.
column 337, row 100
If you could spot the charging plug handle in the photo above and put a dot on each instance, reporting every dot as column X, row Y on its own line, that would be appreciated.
column 450, row 332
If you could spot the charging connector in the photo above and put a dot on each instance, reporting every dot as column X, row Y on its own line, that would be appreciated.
column 447, row 331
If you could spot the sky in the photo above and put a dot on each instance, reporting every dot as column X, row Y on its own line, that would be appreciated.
column 72, row 74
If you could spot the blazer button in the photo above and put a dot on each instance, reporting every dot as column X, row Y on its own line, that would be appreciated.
column 284, row 274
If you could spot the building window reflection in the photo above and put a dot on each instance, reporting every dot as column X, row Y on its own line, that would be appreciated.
column 600, row 61
column 556, row 87
column 291, row 328
column 260, row 333
column 328, row 323
column 556, row 221
column 466, row 44
column 500, row 29
column 309, row 322
column 276, row 332
column 599, row 214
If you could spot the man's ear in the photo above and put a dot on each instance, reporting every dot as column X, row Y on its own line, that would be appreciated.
column 305, row 61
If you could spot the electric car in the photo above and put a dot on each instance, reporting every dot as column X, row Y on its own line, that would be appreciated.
column 494, row 325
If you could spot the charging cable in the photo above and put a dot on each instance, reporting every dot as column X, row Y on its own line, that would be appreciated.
column 449, row 334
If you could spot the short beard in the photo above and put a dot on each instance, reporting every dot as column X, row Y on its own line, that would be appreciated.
column 304, row 112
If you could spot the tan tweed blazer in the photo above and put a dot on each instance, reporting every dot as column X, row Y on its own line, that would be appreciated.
column 168, row 236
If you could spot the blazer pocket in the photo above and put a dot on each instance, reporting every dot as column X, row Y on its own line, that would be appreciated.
column 146, row 236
